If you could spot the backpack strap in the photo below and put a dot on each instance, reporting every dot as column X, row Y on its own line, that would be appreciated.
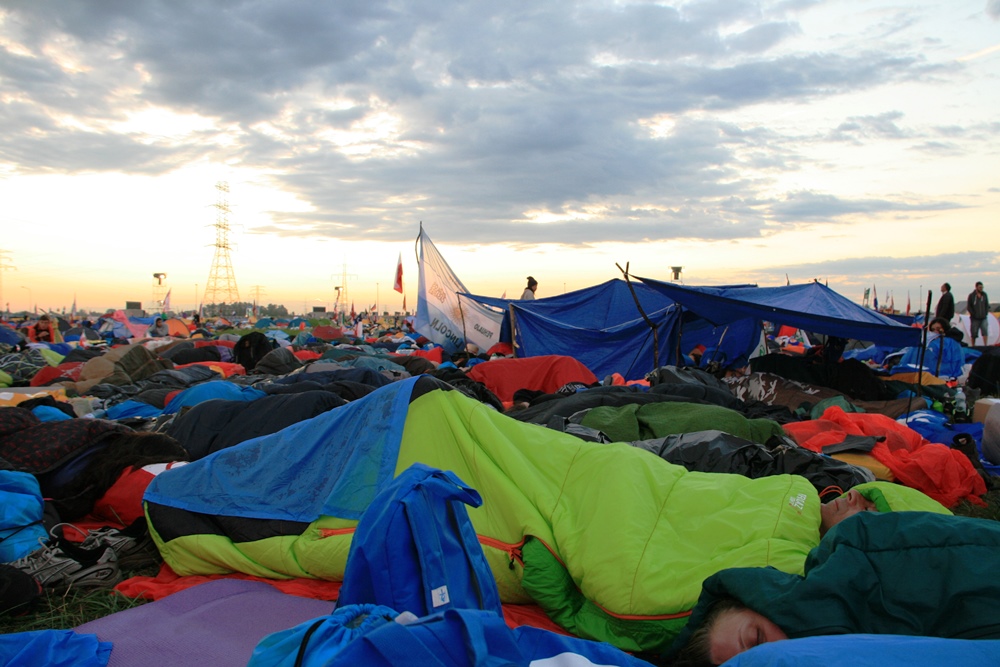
column 301, row 655
column 427, row 538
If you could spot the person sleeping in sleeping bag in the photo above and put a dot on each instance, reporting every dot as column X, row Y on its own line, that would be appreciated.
column 901, row 573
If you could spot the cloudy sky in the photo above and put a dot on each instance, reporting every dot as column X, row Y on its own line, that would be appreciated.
column 853, row 141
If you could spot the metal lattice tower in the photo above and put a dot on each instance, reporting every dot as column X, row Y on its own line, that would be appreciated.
column 221, row 287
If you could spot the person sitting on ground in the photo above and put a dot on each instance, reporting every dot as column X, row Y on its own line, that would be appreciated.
column 529, row 292
column 941, row 326
column 41, row 331
column 159, row 329
column 900, row 573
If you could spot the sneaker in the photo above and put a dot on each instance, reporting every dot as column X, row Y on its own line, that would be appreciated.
column 133, row 546
column 64, row 566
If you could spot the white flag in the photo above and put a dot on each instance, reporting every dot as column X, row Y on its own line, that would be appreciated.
column 166, row 300
column 441, row 316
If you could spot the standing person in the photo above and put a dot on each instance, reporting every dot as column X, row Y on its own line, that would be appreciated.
column 946, row 304
column 529, row 292
column 978, row 306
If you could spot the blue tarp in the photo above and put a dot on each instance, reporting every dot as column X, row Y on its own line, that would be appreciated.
column 331, row 464
column 207, row 391
column 598, row 326
column 53, row 648
column 601, row 327
column 9, row 336
column 812, row 307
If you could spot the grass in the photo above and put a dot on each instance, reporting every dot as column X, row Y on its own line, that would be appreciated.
column 991, row 511
column 64, row 610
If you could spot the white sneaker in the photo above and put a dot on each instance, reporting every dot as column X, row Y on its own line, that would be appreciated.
column 66, row 566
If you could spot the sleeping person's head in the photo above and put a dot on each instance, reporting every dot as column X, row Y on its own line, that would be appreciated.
column 729, row 628
column 847, row 505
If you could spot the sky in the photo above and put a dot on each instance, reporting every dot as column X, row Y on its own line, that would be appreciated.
column 855, row 142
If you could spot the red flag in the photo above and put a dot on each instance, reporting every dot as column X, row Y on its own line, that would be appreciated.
column 353, row 314
column 907, row 303
column 398, row 284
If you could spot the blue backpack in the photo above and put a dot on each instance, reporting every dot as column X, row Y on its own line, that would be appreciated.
column 373, row 636
column 415, row 548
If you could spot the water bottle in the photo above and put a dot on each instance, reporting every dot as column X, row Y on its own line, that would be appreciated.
column 960, row 406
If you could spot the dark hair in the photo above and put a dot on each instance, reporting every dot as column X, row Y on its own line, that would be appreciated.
column 947, row 286
column 942, row 321
column 697, row 650
column 532, row 282
column 979, row 283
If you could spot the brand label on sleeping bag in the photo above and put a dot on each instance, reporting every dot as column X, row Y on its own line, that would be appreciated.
column 798, row 501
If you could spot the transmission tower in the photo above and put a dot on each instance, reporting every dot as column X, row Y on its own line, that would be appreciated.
column 221, row 286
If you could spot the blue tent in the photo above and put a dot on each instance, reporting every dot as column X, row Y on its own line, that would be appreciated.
column 812, row 307
column 599, row 326
column 9, row 336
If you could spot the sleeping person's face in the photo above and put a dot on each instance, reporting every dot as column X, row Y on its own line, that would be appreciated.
column 835, row 511
column 738, row 630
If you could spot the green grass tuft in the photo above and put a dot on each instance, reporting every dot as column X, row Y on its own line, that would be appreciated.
column 64, row 610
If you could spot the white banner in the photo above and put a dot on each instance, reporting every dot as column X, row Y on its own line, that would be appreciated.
column 441, row 316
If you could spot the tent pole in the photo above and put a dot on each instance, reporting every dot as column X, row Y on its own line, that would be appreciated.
column 513, row 330
column 680, row 334
column 656, row 336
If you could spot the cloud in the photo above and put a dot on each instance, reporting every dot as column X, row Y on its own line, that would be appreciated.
column 812, row 206
column 858, row 128
column 993, row 9
column 892, row 273
column 572, row 123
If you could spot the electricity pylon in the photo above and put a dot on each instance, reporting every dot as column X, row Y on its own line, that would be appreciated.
column 221, row 286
